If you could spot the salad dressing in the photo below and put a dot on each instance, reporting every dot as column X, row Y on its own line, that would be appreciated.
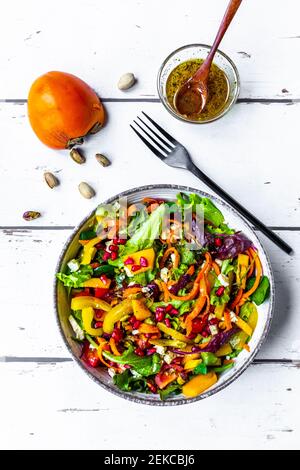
column 218, row 88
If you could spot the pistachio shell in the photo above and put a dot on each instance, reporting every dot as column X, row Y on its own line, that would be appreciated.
column 126, row 81
column 77, row 156
column 51, row 180
column 86, row 190
column 102, row 159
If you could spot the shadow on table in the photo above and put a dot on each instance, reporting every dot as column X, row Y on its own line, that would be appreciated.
column 281, row 321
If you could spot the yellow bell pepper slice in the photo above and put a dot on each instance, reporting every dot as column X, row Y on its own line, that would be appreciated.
column 89, row 250
column 148, row 254
column 219, row 311
column 95, row 282
column 224, row 350
column 173, row 333
column 115, row 314
column 199, row 384
column 242, row 267
column 192, row 363
column 140, row 310
column 78, row 303
column 252, row 322
column 180, row 380
column 244, row 326
column 168, row 342
column 87, row 318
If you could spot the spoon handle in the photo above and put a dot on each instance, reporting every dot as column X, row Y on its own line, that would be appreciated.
column 227, row 18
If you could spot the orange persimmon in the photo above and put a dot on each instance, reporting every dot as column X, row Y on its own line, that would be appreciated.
column 63, row 109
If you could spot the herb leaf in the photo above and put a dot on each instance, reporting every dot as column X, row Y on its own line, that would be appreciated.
column 145, row 366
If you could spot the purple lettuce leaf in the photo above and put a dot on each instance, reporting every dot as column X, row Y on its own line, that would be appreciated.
column 232, row 245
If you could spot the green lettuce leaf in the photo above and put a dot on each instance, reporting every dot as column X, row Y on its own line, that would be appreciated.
column 246, row 310
column 148, row 232
column 223, row 228
column 128, row 383
column 187, row 256
column 145, row 366
column 211, row 213
column 209, row 359
column 172, row 389
column 262, row 292
column 75, row 279
column 200, row 369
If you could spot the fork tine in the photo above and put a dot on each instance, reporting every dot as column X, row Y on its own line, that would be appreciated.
column 168, row 136
column 156, row 135
column 150, row 146
column 152, row 138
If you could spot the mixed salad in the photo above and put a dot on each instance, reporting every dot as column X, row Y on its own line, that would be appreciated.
column 165, row 308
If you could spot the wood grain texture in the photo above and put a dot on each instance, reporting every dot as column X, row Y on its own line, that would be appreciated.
column 30, row 258
column 55, row 406
column 46, row 401
column 251, row 153
column 99, row 41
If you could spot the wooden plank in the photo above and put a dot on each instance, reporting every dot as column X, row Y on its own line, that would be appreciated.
column 56, row 407
column 250, row 152
column 27, row 264
column 99, row 41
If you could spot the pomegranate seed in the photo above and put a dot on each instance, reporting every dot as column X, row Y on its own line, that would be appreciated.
column 151, row 351
column 122, row 241
column 169, row 308
column 117, row 335
column 159, row 316
column 115, row 241
column 113, row 255
column 143, row 262
column 204, row 334
column 136, row 324
column 213, row 321
column 98, row 324
column 220, row 291
column 132, row 319
column 114, row 248
column 160, row 309
column 218, row 241
column 135, row 268
column 129, row 261
column 174, row 311
column 127, row 366
column 139, row 352
column 106, row 256
column 93, row 359
column 192, row 336
column 104, row 279
column 148, row 335
column 98, row 314
column 168, row 323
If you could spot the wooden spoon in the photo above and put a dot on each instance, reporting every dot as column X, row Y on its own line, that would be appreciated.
column 192, row 96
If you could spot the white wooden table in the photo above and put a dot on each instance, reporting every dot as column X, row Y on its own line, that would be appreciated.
column 45, row 399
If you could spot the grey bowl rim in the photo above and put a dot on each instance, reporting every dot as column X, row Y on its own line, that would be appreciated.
column 180, row 401
column 178, row 116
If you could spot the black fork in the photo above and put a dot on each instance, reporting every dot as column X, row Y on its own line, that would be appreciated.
column 174, row 154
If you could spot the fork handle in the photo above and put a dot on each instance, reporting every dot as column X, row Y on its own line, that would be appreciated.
column 251, row 218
